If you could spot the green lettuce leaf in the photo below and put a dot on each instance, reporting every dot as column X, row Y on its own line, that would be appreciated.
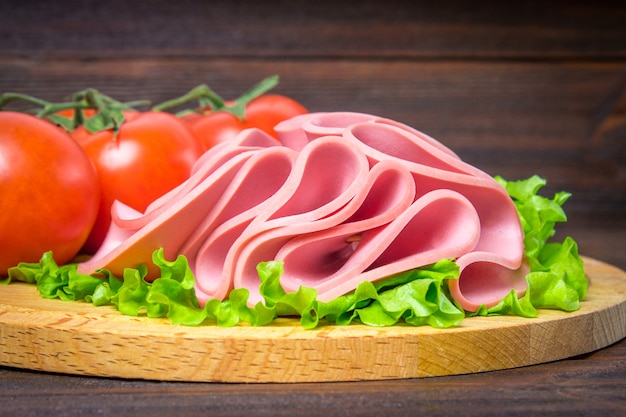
column 55, row 281
column 538, row 215
column 511, row 305
column 416, row 297
column 557, row 278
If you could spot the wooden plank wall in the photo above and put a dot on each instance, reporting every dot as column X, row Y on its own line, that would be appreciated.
column 532, row 88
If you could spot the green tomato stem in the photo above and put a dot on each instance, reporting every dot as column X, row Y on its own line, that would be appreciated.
column 239, row 107
column 109, row 111
column 202, row 93
column 8, row 97
column 208, row 98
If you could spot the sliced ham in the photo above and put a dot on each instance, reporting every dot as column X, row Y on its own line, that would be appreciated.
column 299, row 130
column 171, row 220
column 347, row 197
column 336, row 260
column 494, row 267
column 384, row 194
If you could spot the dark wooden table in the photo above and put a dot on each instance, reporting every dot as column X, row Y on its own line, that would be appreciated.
column 536, row 88
column 592, row 384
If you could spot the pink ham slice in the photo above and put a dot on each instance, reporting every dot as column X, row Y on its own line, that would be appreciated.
column 299, row 130
column 128, row 247
column 320, row 193
column 428, row 160
column 384, row 193
column 133, row 236
column 217, row 156
column 316, row 187
column 348, row 197
column 336, row 260
column 494, row 267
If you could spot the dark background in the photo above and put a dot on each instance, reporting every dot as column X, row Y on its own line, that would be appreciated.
column 516, row 88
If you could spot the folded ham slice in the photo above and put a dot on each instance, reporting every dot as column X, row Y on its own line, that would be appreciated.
column 347, row 197
column 494, row 266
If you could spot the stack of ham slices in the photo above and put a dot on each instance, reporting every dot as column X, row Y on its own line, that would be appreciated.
column 343, row 198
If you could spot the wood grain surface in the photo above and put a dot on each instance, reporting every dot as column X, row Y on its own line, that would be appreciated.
column 77, row 338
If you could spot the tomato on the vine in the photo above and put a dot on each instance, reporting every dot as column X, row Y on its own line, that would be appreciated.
column 151, row 153
column 49, row 192
column 215, row 121
column 141, row 155
column 267, row 111
column 263, row 112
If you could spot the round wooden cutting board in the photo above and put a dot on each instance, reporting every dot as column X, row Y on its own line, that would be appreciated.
column 78, row 338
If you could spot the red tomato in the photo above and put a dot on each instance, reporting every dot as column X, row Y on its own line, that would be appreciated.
column 152, row 153
column 264, row 112
column 49, row 192
column 268, row 110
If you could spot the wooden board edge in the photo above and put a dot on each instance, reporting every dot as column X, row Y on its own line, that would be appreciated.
column 111, row 345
